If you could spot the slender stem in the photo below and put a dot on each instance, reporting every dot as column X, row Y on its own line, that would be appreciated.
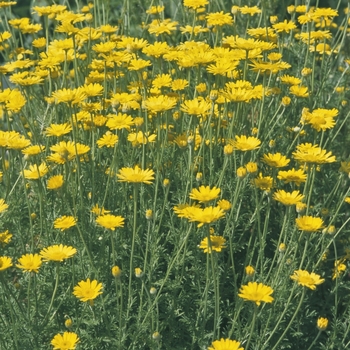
column 252, row 326
column 53, row 294
column 291, row 320
column 132, row 251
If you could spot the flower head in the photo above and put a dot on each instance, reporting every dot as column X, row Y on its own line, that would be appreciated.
column 297, row 176
column 116, row 271
column 308, row 153
column 306, row 279
column 264, row 183
column 217, row 243
column 65, row 341
column 205, row 193
column 30, row 262
column 225, row 344
column 5, row 263
column 35, row 172
column 57, row 252
column 244, row 143
column 5, row 237
column 136, row 175
column 110, row 221
column 3, row 205
column 276, row 160
column 87, row 290
column 203, row 216
column 288, row 198
column 195, row 4
column 309, row 223
column 55, row 182
column 322, row 323
column 256, row 292
column 64, row 222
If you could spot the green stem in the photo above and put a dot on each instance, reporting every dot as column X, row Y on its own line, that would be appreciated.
column 132, row 251
column 252, row 326
column 291, row 320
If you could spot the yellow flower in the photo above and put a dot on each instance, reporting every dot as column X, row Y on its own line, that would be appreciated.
column 288, row 198
column 57, row 252
column 138, row 272
column 107, row 140
column 116, row 271
column 58, row 129
column 339, row 267
column 252, row 167
column 256, row 292
column 33, row 150
column 5, row 237
column 284, row 26
column 110, row 221
column 136, row 175
column 322, row 323
column 55, row 182
column 69, row 96
column 276, row 160
column 205, row 193
column 306, row 279
column 5, row 263
column 321, row 118
column 7, row 4
column 246, row 10
column 197, row 106
column 13, row 100
column 179, row 84
column 299, row 91
column 224, row 204
column 309, row 223
column 141, row 138
column 159, row 103
column 67, row 341
column 203, row 216
column 3, row 205
column 68, row 323
column 153, row 10
column 249, row 270
column 99, row 211
column 119, row 121
column 87, row 290
column 149, row 214
column 244, row 143
column 225, row 344
column 64, row 222
column 297, row 176
column 217, row 243
column 158, row 27
column 264, row 183
column 35, row 172
column 219, row 19
column 138, row 64
column 30, row 262
column 195, row 4
column 308, row 153
column 39, row 43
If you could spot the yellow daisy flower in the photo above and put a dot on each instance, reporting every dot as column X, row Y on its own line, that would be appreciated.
column 256, row 292
column 87, row 290
column 306, row 279
column 136, row 175
column 205, row 193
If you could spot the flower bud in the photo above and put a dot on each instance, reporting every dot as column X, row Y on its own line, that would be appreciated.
column 116, row 271
column 138, row 272
column 322, row 323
